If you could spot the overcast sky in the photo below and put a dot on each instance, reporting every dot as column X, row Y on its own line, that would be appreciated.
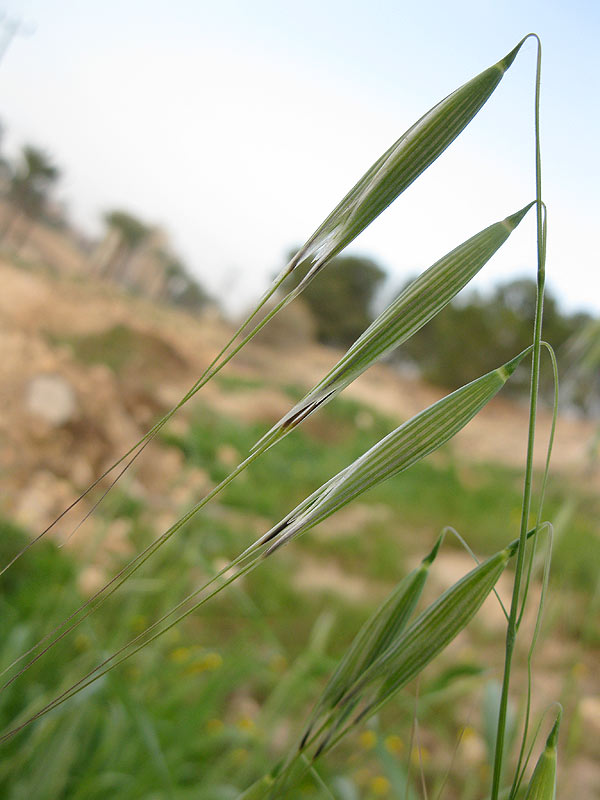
column 238, row 125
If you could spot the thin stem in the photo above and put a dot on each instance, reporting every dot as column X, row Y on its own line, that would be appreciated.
column 511, row 631
column 538, row 625
column 538, row 520
column 318, row 779
column 450, row 529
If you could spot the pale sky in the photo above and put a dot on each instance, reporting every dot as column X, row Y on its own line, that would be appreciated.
column 238, row 125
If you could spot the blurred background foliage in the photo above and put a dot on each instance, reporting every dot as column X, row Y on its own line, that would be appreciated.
column 213, row 704
column 341, row 298
column 477, row 331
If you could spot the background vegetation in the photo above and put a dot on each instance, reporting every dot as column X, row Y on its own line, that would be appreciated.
column 208, row 708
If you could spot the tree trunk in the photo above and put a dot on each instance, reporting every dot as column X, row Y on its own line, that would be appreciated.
column 25, row 232
column 12, row 216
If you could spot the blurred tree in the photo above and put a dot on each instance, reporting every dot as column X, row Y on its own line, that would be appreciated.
column 29, row 188
column 179, row 287
column 131, row 233
column 341, row 297
column 5, row 171
column 131, row 230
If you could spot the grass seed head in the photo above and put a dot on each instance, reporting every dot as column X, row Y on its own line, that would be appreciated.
column 419, row 302
column 398, row 167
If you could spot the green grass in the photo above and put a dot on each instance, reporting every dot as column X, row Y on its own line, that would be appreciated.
column 119, row 348
column 180, row 702
column 179, row 720
column 237, row 383
column 481, row 501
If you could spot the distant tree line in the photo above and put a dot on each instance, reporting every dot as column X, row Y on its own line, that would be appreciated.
column 477, row 331
column 136, row 256
column 133, row 254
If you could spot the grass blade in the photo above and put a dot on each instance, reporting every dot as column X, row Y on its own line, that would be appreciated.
column 399, row 450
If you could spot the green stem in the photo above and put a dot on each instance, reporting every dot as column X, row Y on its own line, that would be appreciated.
column 538, row 521
column 511, row 631
column 538, row 624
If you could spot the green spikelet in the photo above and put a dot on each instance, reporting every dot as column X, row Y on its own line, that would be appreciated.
column 543, row 781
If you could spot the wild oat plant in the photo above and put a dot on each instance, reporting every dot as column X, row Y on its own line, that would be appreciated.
column 395, row 644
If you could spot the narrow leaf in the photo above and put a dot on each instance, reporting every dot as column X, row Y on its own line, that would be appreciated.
column 399, row 450
column 259, row 790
